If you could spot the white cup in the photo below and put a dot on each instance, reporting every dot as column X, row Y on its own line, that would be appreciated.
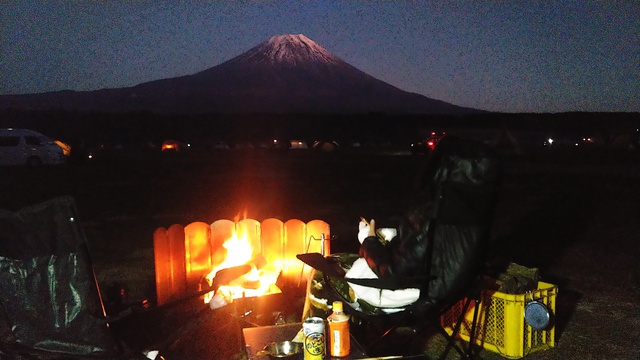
column 388, row 233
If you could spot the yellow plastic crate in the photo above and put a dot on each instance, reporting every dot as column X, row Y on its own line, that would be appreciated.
column 501, row 327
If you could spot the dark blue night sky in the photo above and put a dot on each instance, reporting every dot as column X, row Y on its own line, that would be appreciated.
column 508, row 56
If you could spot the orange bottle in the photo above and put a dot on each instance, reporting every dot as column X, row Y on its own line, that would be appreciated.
column 339, row 341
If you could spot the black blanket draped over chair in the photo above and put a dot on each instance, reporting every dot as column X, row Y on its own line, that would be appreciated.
column 440, row 247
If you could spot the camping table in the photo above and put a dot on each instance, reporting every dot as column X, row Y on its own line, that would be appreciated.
column 256, row 338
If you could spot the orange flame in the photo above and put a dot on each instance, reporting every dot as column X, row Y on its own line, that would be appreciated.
column 255, row 283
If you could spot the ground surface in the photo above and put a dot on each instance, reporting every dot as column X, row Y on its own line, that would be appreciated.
column 573, row 216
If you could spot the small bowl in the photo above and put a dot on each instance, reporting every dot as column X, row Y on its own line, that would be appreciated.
column 282, row 350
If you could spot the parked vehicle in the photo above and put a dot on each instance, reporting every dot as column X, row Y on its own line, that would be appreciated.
column 28, row 147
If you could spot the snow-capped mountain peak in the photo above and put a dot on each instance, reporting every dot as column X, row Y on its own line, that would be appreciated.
column 287, row 74
column 290, row 49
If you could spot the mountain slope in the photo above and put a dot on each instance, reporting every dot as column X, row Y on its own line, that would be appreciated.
column 285, row 74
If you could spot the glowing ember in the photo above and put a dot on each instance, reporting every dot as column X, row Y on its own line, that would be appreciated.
column 255, row 283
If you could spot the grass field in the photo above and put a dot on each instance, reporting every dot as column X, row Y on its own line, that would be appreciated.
column 574, row 216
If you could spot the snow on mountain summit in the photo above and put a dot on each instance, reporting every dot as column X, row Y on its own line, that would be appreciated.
column 290, row 50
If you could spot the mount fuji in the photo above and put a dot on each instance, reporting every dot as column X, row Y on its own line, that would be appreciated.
column 285, row 74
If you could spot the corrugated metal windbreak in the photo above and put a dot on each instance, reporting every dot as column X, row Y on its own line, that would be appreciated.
column 183, row 255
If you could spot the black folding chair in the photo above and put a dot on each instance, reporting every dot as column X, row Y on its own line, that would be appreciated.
column 462, row 185
column 376, row 332
column 50, row 304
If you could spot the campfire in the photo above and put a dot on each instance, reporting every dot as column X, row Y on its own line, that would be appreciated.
column 261, row 280
column 187, row 258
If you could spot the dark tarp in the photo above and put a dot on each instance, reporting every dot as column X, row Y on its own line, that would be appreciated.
column 50, row 306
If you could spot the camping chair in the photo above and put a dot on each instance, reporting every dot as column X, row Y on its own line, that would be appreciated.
column 463, row 182
column 50, row 305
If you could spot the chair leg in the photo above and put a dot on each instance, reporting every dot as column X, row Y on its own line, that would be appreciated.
column 474, row 326
column 467, row 353
column 380, row 340
column 451, row 338
column 386, row 335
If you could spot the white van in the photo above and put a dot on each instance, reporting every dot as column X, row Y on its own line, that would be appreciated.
column 28, row 147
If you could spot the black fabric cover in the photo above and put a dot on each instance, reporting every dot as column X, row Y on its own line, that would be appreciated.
column 454, row 208
column 50, row 305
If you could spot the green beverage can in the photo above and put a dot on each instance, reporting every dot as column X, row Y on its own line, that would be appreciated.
column 314, row 339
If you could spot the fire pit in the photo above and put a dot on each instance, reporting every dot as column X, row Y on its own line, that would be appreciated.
column 187, row 257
